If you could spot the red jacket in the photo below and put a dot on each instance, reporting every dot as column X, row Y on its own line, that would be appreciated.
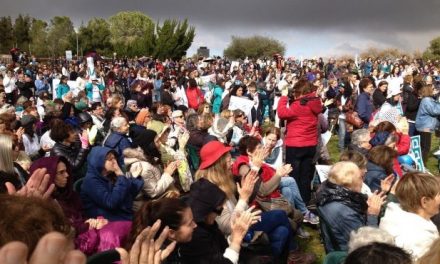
column 195, row 97
column 302, row 120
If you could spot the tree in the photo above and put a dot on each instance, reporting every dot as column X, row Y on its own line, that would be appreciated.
column 96, row 36
column 433, row 51
column 173, row 39
column 21, row 31
column 132, row 33
column 253, row 47
column 391, row 53
column 61, row 35
column 6, row 34
column 38, row 35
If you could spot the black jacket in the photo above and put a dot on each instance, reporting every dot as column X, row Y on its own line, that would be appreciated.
column 74, row 154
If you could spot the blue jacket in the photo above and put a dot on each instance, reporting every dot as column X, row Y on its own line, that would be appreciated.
column 374, row 175
column 89, row 89
column 217, row 99
column 62, row 89
column 341, row 212
column 426, row 119
column 101, row 197
column 118, row 142
column 364, row 107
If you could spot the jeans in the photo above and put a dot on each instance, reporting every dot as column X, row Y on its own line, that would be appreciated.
column 277, row 226
column 301, row 159
column 341, row 134
column 412, row 129
column 290, row 191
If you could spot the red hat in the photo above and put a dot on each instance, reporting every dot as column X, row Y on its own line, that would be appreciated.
column 211, row 152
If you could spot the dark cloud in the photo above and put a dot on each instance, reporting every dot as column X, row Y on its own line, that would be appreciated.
column 390, row 22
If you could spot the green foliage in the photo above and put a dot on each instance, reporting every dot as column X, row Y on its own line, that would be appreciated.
column 61, row 35
column 433, row 51
column 21, row 31
column 132, row 33
column 253, row 47
column 38, row 35
column 96, row 36
column 173, row 39
column 6, row 34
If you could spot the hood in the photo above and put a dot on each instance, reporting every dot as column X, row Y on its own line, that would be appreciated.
column 204, row 198
column 113, row 139
column 51, row 163
column 132, row 155
column 96, row 159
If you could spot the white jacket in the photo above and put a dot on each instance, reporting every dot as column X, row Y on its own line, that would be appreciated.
column 410, row 231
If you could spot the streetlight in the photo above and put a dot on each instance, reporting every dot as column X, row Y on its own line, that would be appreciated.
column 76, row 33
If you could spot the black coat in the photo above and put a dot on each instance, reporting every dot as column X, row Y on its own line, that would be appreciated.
column 74, row 154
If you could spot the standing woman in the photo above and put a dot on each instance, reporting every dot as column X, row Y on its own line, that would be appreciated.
column 364, row 105
column 426, row 119
column 302, row 133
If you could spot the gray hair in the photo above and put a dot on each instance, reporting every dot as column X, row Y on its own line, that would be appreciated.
column 367, row 235
column 358, row 135
column 117, row 122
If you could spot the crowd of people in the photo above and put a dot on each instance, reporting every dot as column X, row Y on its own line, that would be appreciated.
column 149, row 161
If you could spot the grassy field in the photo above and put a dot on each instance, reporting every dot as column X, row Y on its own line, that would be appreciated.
column 314, row 243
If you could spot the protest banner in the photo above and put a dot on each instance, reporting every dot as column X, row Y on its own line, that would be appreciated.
column 416, row 153
column 69, row 55
column 55, row 83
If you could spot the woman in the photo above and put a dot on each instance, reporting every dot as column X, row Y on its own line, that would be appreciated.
column 389, row 110
column 344, row 102
column 217, row 93
column 342, row 207
column 379, row 166
column 380, row 94
column 216, row 167
column 9, row 170
column 426, row 119
column 302, row 133
column 410, row 104
column 364, row 105
column 63, row 88
column 273, row 144
column 118, row 139
column 67, row 146
column 410, row 221
column 194, row 95
column 157, row 184
column 204, row 108
column 106, row 191
column 30, row 138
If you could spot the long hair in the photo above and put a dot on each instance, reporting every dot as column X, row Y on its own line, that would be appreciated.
column 6, row 160
column 220, row 174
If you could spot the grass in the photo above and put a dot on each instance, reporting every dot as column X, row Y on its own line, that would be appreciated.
column 314, row 243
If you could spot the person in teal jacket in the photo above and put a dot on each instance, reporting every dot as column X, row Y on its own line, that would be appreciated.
column 217, row 96
column 93, row 90
column 63, row 87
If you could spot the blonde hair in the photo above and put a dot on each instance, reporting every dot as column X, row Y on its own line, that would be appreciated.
column 226, row 114
column 413, row 187
column 23, row 160
column 433, row 255
column 6, row 160
column 219, row 174
column 343, row 173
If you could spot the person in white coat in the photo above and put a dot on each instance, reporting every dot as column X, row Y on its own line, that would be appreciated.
column 410, row 221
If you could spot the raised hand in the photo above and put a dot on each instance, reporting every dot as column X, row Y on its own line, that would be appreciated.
column 386, row 184
column 36, row 186
column 375, row 202
column 247, row 185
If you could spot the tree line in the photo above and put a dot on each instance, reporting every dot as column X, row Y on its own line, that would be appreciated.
column 127, row 33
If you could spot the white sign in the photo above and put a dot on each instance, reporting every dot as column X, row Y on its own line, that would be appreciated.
column 241, row 103
column 55, row 83
column 322, row 171
column 73, row 87
column 69, row 55
column 91, row 68
column 234, row 64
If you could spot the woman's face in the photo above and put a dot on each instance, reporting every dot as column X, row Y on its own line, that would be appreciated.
column 271, row 140
column 72, row 137
column 119, row 105
column 383, row 88
column 61, row 176
column 186, row 229
column 431, row 205
column 124, row 127
column 357, row 181
column 206, row 109
column 239, row 92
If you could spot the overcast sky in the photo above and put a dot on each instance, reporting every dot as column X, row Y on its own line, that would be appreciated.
column 307, row 27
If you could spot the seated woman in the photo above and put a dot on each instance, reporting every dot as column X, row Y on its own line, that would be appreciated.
column 106, row 191
column 343, row 207
column 67, row 146
column 216, row 167
column 118, row 139
column 273, row 143
column 91, row 235
column 410, row 221
column 379, row 166
column 157, row 184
